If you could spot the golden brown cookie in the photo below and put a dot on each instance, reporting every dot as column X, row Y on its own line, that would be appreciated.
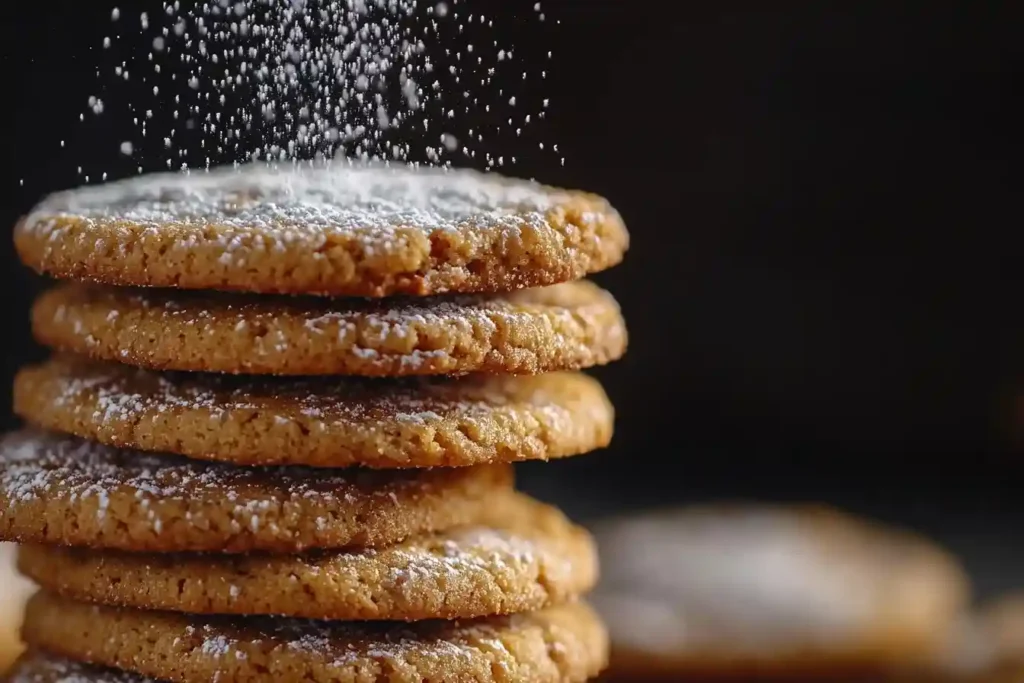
column 320, row 422
column 64, row 491
column 521, row 556
column 750, row 590
column 564, row 327
column 340, row 229
column 562, row 644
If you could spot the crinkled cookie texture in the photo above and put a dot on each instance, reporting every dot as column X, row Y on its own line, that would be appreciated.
column 338, row 229
column 321, row 422
column 560, row 645
column 563, row 327
column 780, row 590
column 57, row 490
column 520, row 556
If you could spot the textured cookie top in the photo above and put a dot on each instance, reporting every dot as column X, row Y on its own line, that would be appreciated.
column 726, row 586
column 324, row 422
column 520, row 556
column 341, row 229
column 560, row 645
column 563, row 327
column 64, row 491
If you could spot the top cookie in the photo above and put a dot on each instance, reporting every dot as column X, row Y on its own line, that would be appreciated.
column 337, row 229
column 784, row 590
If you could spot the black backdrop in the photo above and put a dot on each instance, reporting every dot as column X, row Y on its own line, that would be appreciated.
column 823, row 290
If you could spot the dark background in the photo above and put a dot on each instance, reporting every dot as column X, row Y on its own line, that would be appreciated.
column 823, row 290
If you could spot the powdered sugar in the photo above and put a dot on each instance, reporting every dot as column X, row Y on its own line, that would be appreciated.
column 290, row 79
column 298, row 202
column 109, row 394
column 342, row 644
column 424, row 337
column 463, row 554
column 377, row 319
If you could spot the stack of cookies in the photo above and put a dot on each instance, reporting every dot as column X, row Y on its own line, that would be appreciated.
column 275, row 438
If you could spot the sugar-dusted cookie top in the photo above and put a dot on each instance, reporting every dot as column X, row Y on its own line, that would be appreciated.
column 519, row 556
column 338, row 229
column 65, row 491
column 562, row 327
column 320, row 421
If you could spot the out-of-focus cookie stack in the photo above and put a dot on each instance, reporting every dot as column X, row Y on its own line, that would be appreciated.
column 755, row 592
column 275, row 439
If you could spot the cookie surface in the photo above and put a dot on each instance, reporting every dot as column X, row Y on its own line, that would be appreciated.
column 64, row 491
column 562, row 644
column 739, row 590
column 322, row 422
column 563, row 327
column 520, row 556
column 343, row 229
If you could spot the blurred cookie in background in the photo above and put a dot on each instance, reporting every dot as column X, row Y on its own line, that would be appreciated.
column 1001, row 625
column 747, row 591
column 14, row 590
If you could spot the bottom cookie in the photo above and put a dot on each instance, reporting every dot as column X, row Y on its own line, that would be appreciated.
column 565, row 644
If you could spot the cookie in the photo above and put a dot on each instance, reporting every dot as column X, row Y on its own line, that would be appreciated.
column 340, row 229
column 560, row 645
column 750, row 590
column 64, row 491
column 521, row 556
column 14, row 590
column 563, row 327
column 321, row 422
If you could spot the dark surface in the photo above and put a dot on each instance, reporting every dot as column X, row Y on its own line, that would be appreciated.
column 823, row 290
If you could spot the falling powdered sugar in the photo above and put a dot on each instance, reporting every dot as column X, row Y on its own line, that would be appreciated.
column 240, row 80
